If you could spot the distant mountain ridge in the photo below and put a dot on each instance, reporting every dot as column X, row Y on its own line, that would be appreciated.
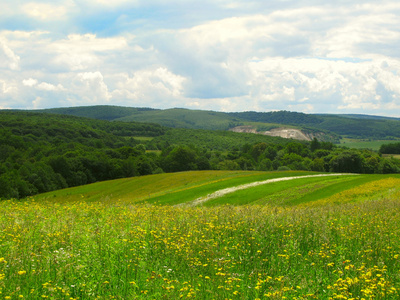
column 330, row 125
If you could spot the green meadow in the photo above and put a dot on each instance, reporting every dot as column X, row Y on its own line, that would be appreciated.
column 363, row 143
column 150, row 237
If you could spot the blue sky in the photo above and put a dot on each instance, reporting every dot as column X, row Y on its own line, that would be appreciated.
column 308, row 56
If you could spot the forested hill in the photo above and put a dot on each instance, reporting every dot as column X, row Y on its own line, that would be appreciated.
column 43, row 152
column 279, row 117
column 352, row 126
column 101, row 112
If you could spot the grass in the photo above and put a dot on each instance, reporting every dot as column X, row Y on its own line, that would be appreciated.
column 162, row 188
column 343, row 245
column 397, row 156
column 363, row 144
column 277, row 192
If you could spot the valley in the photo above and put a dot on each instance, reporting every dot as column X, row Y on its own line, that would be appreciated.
column 98, row 206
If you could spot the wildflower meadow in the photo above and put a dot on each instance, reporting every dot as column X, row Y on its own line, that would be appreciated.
column 332, row 249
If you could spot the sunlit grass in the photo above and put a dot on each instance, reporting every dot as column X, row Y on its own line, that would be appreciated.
column 345, row 246
column 363, row 144
column 162, row 188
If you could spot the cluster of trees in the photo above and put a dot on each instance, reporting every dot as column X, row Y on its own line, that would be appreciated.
column 314, row 156
column 42, row 154
column 392, row 148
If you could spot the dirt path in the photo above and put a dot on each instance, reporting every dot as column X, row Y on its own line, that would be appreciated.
column 223, row 192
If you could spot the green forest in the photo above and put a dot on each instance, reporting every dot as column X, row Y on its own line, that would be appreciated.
column 43, row 152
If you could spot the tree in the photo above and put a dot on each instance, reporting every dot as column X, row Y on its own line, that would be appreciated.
column 144, row 165
column 348, row 162
column 257, row 150
column 387, row 167
column 265, row 165
column 315, row 144
column 181, row 158
column 318, row 165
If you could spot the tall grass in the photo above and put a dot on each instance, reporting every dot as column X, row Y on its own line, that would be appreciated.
column 93, row 250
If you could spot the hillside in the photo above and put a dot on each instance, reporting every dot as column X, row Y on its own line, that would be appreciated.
column 286, row 235
column 213, row 188
column 44, row 152
column 327, row 127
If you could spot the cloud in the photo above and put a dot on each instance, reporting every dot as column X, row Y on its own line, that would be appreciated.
column 348, row 85
column 157, row 85
column 80, row 52
column 46, row 11
column 90, row 88
column 44, row 86
column 8, row 59
column 29, row 82
column 6, row 87
column 221, row 55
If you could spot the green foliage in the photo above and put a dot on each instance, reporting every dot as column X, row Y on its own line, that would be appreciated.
column 361, row 128
column 40, row 154
column 212, row 139
column 279, row 117
column 185, row 118
column 353, row 126
column 393, row 148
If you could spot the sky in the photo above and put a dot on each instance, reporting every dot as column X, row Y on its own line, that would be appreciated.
column 338, row 56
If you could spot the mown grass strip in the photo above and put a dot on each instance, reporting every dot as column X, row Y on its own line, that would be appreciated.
column 279, row 192
column 142, row 188
column 212, row 185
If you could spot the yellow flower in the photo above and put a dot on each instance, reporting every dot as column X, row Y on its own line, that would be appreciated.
column 21, row 272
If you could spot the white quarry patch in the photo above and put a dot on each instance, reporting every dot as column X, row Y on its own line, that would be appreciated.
column 287, row 133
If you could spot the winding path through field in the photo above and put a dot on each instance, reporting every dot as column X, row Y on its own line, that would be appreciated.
column 229, row 190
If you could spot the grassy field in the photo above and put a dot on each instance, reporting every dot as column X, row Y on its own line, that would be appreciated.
column 364, row 144
column 334, row 237
column 397, row 156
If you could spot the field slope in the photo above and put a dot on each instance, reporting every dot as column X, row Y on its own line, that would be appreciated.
column 280, row 235
column 201, row 187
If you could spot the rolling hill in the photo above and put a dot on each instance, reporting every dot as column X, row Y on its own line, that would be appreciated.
column 206, row 235
column 327, row 127
column 275, row 188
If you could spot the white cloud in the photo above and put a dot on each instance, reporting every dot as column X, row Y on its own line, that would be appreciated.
column 80, row 52
column 91, row 88
column 241, row 55
column 152, row 85
column 6, row 87
column 356, row 85
column 47, row 11
column 8, row 59
column 111, row 4
column 29, row 82
column 44, row 86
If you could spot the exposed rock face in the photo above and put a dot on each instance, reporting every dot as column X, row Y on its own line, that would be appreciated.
column 287, row 133
column 245, row 129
